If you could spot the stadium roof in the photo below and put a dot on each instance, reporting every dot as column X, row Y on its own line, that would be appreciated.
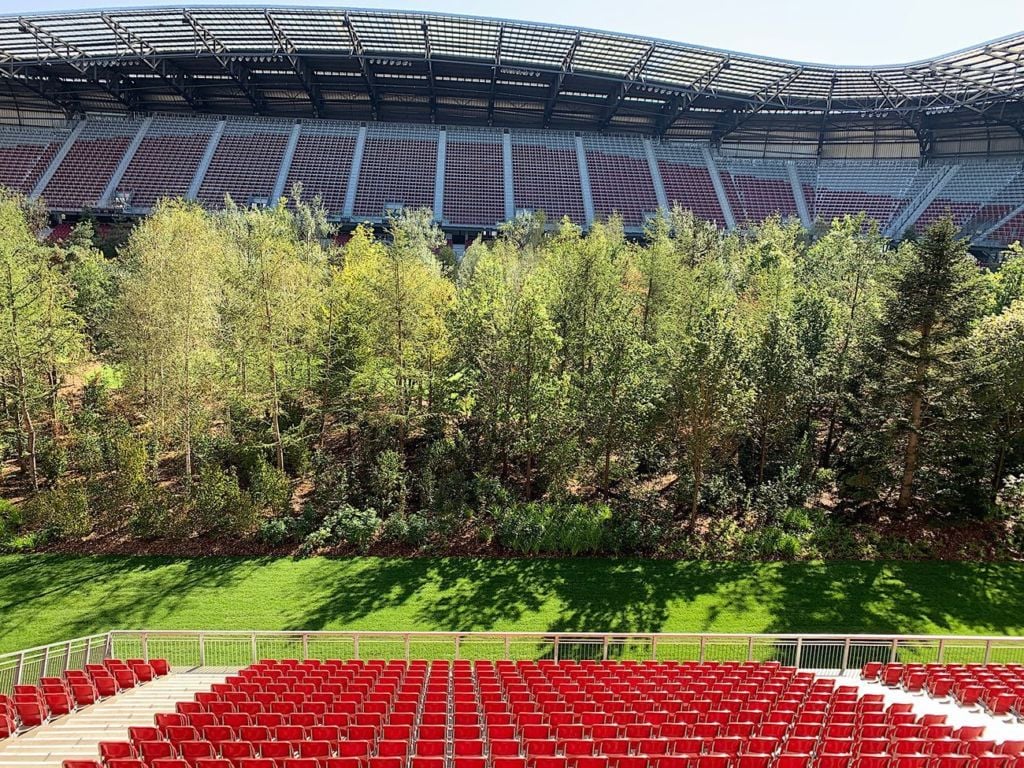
column 427, row 67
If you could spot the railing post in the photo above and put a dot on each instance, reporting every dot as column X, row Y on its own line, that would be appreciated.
column 406, row 644
column 799, row 651
column 108, row 646
column 556, row 649
column 67, row 656
column 988, row 651
column 88, row 652
column 846, row 657
column 355, row 646
column 942, row 650
column 654, row 647
column 253, row 648
column 145, row 647
column 18, row 668
column 46, row 661
column 750, row 648
column 202, row 650
column 894, row 651
column 604, row 648
column 305, row 646
column 508, row 649
column 702, row 641
column 458, row 645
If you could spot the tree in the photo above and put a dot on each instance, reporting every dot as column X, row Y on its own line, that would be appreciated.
column 398, row 297
column 505, row 352
column 39, row 330
column 931, row 301
column 168, row 319
column 273, row 300
column 708, row 394
column 996, row 385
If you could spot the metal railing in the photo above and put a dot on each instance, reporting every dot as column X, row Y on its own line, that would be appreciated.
column 26, row 667
column 828, row 654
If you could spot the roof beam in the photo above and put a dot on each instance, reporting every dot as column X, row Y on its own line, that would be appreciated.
column 174, row 77
column 117, row 85
column 494, row 75
column 65, row 100
column 1016, row 126
column 622, row 90
column 302, row 70
column 825, row 114
column 233, row 67
column 364, row 65
column 924, row 136
column 430, row 70
column 759, row 100
column 684, row 101
column 556, row 85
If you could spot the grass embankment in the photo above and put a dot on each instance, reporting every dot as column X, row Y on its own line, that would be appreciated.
column 45, row 598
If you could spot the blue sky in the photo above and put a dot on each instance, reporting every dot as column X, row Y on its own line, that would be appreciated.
column 827, row 31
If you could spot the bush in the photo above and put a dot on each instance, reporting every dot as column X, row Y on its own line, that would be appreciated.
column 10, row 519
column 270, row 488
column 575, row 529
column 552, row 528
column 355, row 526
column 87, row 450
column 63, row 511
column 158, row 514
column 52, row 460
column 346, row 525
column 388, row 489
column 520, row 527
column 274, row 531
column 220, row 506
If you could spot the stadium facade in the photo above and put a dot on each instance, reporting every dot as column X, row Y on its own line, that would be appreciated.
column 480, row 119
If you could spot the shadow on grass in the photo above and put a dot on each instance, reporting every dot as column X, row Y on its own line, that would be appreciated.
column 47, row 597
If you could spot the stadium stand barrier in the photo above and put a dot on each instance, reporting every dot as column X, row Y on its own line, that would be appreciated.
column 836, row 654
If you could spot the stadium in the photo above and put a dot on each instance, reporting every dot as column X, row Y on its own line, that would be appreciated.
column 616, row 403
column 480, row 119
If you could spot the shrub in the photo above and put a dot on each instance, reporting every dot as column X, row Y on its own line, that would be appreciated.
column 10, row 519
column 552, row 527
column 87, row 450
column 158, row 514
column 395, row 529
column 575, row 529
column 274, row 531
column 52, row 460
column 62, row 511
column 388, row 489
column 220, row 506
column 520, row 527
column 269, row 487
column 355, row 526
column 346, row 525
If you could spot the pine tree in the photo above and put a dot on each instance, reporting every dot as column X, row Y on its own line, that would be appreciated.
column 932, row 299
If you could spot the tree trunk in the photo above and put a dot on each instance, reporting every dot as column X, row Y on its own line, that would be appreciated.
column 30, row 455
column 912, row 454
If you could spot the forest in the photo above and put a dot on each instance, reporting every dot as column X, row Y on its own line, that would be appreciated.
column 247, row 381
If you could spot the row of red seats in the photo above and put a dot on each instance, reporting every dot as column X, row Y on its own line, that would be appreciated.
column 33, row 705
column 998, row 688
column 548, row 715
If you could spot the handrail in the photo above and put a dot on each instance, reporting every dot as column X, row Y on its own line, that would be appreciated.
column 836, row 653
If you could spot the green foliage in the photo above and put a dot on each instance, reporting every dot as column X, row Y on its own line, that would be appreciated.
column 552, row 528
column 52, row 460
column 706, row 392
column 269, row 488
column 347, row 526
column 220, row 506
column 62, row 511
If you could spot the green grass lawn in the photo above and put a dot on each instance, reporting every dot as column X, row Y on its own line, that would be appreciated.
column 45, row 598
